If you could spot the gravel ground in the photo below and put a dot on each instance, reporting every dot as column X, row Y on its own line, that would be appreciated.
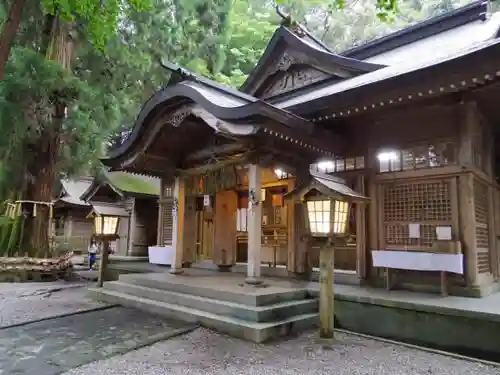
column 208, row 353
column 29, row 301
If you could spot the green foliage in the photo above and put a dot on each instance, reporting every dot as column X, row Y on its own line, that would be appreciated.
column 15, row 238
column 99, row 17
column 25, row 110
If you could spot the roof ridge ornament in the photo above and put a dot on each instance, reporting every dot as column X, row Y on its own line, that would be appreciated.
column 178, row 72
column 289, row 22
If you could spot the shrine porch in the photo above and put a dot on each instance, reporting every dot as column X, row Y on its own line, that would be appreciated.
column 221, row 301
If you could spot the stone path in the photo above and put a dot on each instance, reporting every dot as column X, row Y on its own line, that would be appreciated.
column 53, row 346
column 30, row 301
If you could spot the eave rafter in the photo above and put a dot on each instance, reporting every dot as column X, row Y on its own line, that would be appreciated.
column 430, row 83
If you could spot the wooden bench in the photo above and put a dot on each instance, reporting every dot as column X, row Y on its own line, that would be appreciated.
column 446, row 256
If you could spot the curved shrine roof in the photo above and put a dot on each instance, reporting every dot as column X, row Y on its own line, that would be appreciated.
column 394, row 74
column 446, row 30
column 289, row 47
column 227, row 110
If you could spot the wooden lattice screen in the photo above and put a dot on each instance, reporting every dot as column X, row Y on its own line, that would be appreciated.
column 166, row 214
column 425, row 203
column 482, row 229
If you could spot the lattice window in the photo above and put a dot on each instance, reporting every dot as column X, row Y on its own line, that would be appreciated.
column 340, row 165
column 168, row 222
column 482, row 231
column 398, row 234
column 418, row 157
column 424, row 203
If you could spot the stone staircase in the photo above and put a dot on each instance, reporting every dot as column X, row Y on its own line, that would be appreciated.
column 258, row 314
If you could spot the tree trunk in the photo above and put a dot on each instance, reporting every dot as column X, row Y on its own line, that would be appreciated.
column 43, row 180
column 9, row 32
column 59, row 48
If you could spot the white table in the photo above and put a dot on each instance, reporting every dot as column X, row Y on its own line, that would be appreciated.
column 163, row 255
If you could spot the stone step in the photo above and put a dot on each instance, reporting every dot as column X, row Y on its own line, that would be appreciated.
column 265, row 296
column 253, row 331
column 266, row 313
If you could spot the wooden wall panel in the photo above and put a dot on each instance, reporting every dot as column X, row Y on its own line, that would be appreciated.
column 226, row 205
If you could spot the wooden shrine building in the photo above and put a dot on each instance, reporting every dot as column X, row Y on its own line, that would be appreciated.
column 133, row 199
column 409, row 120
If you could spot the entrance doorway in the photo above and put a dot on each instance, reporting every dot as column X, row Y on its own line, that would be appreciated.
column 274, row 227
column 204, row 230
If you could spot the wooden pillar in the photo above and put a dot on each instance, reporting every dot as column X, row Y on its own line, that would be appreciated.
column 68, row 229
column 303, row 265
column 496, row 206
column 302, row 243
column 492, row 234
column 466, row 124
column 132, row 227
column 189, row 234
column 360, row 231
column 178, row 215
column 290, row 222
column 468, row 227
column 161, row 205
column 374, row 206
column 254, row 226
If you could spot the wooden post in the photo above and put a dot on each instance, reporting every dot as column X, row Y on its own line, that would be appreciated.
column 290, row 222
column 69, row 231
column 372, row 214
column 178, row 213
column 104, row 262
column 468, row 228
column 467, row 115
column 254, row 226
column 326, row 292
column 302, row 244
column 131, row 228
column 159, row 233
column 360, row 231
column 492, row 236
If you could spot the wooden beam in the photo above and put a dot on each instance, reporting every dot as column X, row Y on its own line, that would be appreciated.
column 215, row 150
column 201, row 169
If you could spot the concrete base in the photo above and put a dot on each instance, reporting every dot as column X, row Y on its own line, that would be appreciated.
column 254, row 281
column 256, row 314
column 224, row 267
column 466, row 326
column 176, row 271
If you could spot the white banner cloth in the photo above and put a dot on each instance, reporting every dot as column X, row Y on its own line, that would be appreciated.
column 418, row 261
